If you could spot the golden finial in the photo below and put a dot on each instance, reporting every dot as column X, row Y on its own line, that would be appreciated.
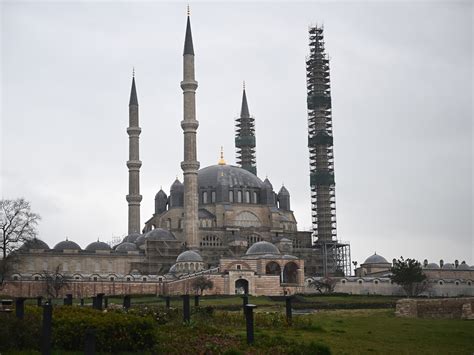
column 189, row 11
column 221, row 160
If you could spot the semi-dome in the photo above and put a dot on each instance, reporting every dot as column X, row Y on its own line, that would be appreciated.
column 126, row 246
column 432, row 266
column 230, row 175
column 448, row 266
column 97, row 246
column 159, row 234
column 376, row 259
column 140, row 240
column 261, row 248
column 67, row 244
column 34, row 243
column 189, row 255
column 131, row 238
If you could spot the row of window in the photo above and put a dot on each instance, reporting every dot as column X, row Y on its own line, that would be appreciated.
column 238, row 196
column 94, row 278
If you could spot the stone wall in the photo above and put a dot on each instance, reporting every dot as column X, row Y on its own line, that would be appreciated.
column 452, row 308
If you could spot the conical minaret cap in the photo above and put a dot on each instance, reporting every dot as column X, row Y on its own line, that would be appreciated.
column 244, row 111
column 133, row 94
column 188, row 42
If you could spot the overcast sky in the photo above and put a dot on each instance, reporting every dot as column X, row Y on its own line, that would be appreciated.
column 401, row 77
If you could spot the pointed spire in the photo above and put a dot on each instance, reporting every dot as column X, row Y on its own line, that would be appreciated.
column 221, row 160
column 188, row 42
column 244, row 111
column 133, row 92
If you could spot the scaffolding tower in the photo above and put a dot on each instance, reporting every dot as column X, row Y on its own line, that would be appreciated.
column 245, row 138
column 335, row 255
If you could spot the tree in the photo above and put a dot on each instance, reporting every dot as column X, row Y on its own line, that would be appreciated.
column 55, row 281
column 323, row 285
column 17, row 224
column 201, row 283
column 409, row 275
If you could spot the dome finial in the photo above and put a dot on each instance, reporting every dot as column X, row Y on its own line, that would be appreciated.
column 221, row 160
column 244, row 85
column 133, row 72
column 189, row 11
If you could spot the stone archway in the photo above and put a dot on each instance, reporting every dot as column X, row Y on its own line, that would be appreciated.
column 241, row 286
column 272, row 268
column 290, row 273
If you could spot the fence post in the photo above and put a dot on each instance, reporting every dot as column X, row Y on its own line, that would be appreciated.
column 196, row 301
column 249, row 322
column 39, row 301
column 100, row 297
column 94, row 302
column 82, row 302
column 245, row 301
column 167, row 299
column 106, row 302
column 289, row 314
column 126, row 302
column 20, row 307
column 186, row 313
column 47, row 329
column 89, row 344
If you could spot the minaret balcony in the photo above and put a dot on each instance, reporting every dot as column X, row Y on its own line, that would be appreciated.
column 134, row 164
column 190, row 166
column 189, row 85
column 189, row 125
column 134, row 131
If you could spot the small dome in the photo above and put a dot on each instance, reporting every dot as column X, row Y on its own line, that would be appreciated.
column 267, row 184
column 159, row 234
column 126, row 246
column 131, row 238
column 140, row 240
column 284, row 239
column 67, row 244
column 161, row 194
column 376, row 259
column 34, row 243
column 97, row 246
column 177, row 186
column 283, row 192
column 262, row 248
column 289, row 257
column 448, row 266
column 189, row 255
column 432, row 266
column 463, row 266
column 172, row 269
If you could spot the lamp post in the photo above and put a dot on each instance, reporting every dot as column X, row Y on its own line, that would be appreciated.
column 355, row 266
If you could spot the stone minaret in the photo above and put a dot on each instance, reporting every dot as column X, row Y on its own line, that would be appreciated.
column 245, row 138
column 190, row 165
column 134, row 198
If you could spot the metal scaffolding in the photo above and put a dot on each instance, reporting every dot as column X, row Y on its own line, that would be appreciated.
column 245, row 138
column 335, row 255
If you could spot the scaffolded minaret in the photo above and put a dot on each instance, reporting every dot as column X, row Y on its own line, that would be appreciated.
column 134, row 198
column 245, row 138
column 190, row 165
column 335, row 255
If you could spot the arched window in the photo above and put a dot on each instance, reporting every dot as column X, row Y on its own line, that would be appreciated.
column 247, row 196
column 239, row 196
column 204, row 197
column 168, row 224
column 231, row 196
column 272, row 268
column 213, row 197
column 255, row 197
column 290, row 273
column 253, row 238
column 247, row 219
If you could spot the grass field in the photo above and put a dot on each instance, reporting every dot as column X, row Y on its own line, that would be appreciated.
column 355, row 331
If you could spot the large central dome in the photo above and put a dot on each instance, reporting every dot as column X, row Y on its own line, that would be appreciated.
column 230, row 175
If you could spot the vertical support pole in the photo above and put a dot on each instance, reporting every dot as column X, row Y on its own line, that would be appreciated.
column 186, row 311
column 167, row 299
column 39, row 301
column 47, row 329
column 127, row 302
column 106, row 302
column 69, row 299
column 82, row 302
column 89, row 344
column 196, row 301
column 94, row 302
column 20, row 307
column 289, row 314
column 249, row 322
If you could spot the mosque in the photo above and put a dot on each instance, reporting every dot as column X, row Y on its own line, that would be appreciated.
column 222, row 221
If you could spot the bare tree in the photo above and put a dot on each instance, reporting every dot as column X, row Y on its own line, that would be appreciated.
column 323, row 285
column 201, row 283
column 55, row 281
column 17, row 224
